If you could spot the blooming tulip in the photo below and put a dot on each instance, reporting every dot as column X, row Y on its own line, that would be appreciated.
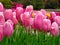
column 46, row 25
column 19, row 10
column 8, row 14
column 54, row 29
column 8, row 29
column 57, row 20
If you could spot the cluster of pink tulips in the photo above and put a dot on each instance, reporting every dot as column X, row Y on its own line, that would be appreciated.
column 38, row 20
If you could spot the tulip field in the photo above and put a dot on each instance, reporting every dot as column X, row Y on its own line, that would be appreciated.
column 26, row 26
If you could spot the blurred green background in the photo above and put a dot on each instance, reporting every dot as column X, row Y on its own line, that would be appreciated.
column 38, row 4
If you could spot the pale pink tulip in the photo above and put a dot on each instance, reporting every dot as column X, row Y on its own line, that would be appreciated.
column 29, row 8
column 54, row 29
column 1, row 32
column 8, row 29
column 57, row 20
column 8, row 14
column 46, row 25
column 1, row 7
column 43, row 11
column 2, row 19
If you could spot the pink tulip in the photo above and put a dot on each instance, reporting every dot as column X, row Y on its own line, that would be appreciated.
column 1, row 7
column 8, row 14
column 26, row 19
column 54, row 29
column 43, row 11
column 14, row 19
column 2, row 19
column 57, row 20
column 1, row 32
column 52, row 16
column 19, row 10
column 46, row 25
column 8, row 29
column 38, row 22
column 29, row 8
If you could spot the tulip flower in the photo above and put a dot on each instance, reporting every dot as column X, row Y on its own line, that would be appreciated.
column 1, row 32
column 8, row 14
column 1, row 7
column 43, row 11
column 46, row 25
column 38, row 22
column 2, row 19
column 25, row 19
column 8, row 29
column 52, row 16
column 54, row 29
column 29, row 8
column 19, row 11
column 57, row 20
column 14, row 19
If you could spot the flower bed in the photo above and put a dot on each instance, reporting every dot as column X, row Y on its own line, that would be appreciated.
column 25, row 26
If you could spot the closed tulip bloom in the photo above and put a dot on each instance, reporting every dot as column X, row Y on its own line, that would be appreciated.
column 54, row 29
column 2, row 19
column 29, row 8
column 1, row 32
column 38, row 22
column 19, row 10
column 8, row 29
column 8, row 14
column 57, row 20
column 14, row 19
column 43, row 11
column 52, row 16
column 1, row 7
column 25, row 19
column 46, row 25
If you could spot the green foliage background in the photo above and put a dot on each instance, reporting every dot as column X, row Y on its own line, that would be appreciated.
column 38, row 4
